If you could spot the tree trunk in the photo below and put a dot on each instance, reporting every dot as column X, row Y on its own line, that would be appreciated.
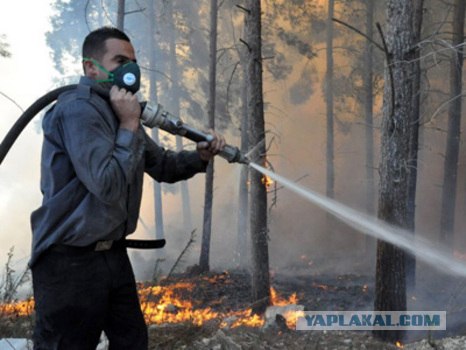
column 209, row 180
column 153, row 49
column 258, row 191
column 390, row 293
column 330, row 190
column 159, row 227
column 330, row 146
column 174, row 107
column 121, row 15
column 447, row 220
column 369, row 120
column 243, row 201
column 414, row 142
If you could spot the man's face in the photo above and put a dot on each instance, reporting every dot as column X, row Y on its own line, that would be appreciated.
column 118, row 53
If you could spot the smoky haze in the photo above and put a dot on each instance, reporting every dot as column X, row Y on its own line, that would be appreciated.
column 299, row 232
column 23, row 80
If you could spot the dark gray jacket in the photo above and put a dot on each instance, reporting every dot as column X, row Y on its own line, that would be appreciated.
column 92, row 172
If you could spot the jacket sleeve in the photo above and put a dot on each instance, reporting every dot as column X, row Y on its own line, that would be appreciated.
column 105, row 160
column 169, row 166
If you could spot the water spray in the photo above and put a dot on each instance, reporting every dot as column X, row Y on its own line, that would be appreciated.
column 422, row 248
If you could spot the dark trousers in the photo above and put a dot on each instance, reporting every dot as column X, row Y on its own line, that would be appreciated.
column 80, row 294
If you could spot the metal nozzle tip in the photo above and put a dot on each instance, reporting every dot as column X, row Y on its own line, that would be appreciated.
column 244, row 160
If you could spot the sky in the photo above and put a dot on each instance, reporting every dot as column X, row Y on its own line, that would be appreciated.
column 25, row 76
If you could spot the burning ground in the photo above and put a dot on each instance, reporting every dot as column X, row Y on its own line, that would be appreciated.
column 214, row 311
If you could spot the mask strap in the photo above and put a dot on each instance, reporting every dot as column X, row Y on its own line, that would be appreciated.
column 103, row 69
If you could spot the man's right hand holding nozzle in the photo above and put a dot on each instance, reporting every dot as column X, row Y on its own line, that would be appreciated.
column 126, row 107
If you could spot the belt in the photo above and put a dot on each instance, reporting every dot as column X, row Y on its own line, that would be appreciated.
column 109, row 245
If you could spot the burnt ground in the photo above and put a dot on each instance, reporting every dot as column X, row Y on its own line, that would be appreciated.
column 231, row 290
column 226, row 291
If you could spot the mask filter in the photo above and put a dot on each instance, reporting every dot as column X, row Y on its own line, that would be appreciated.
column 127, row 76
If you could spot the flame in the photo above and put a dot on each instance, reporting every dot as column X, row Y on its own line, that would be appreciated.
column 168, row 308
column 278, row 301
column 290, row 316
column 399, row 344
column 171, row 307
column 267, row 181
column 174, row 304
column 18, row 308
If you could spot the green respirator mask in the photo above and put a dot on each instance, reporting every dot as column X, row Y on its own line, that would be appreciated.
column 127, row 76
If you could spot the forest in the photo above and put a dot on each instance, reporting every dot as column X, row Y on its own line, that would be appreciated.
column 357, row 101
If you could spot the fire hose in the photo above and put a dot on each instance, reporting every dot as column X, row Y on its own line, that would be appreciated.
column 151, row 116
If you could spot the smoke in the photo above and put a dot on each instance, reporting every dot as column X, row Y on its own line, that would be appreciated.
column 26, row 75
column 302, row 239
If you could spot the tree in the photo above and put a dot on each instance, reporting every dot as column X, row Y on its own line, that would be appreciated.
column 368, row 115
column 329, row 95
column 121, row 15
column 447, row 220
column 414, row 140
column 209, row 182
column 330, row 184
column 390, row 293
column 64, row 43
column 4, row 47
column 153, row 54
column 174, row 103
column 285, row 30
column 243, row 196
column 258, row 190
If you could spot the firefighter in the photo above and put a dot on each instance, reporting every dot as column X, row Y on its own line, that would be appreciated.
column 94, row 155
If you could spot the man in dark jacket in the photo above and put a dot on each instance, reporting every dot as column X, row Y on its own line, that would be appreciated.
column 94, row 155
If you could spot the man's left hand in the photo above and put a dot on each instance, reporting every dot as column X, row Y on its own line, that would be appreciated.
column 207, row 150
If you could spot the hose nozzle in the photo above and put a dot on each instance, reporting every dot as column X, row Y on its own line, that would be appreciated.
column 157, row 116
column 233, row 155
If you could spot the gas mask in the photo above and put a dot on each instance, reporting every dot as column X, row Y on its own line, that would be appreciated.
column 126, row 76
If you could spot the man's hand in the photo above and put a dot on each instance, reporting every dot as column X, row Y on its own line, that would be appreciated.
column 208, row 150
column 126, row 107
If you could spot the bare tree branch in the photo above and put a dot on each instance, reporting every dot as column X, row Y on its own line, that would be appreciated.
column 389, row 65
column 183, row 252
column 359, row 32
column 4, row 47
column 244, row 9
column 230, row 83
column 9, row 98
column 135, row 11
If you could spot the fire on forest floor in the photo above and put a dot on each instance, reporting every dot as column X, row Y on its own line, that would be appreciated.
column 221, row 299
column 205, row 298
column 223, row 302
column 213, row 311
column 195, row 300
